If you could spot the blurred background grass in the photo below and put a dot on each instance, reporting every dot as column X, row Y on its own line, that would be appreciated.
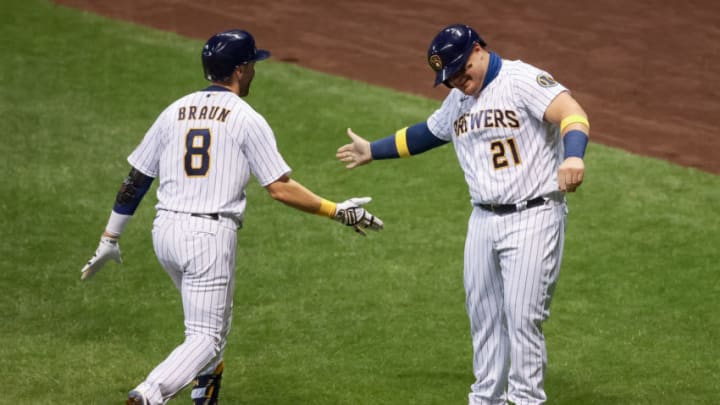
column 322, row 316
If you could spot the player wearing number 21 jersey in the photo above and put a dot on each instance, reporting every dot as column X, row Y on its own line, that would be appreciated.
column 520, row 138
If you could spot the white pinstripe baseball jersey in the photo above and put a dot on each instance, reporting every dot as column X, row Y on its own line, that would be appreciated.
column 506, row 150
column 204, row 147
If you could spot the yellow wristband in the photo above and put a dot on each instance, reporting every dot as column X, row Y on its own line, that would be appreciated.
column 327, row 208
column 401, row 143
column 573, row 119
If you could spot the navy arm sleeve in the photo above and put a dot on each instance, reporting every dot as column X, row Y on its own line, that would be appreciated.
column 406, row 142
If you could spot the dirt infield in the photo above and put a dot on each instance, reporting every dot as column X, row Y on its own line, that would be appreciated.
column 642, row 71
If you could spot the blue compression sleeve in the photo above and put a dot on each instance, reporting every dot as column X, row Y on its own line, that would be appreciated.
column 132, row 192
column 384, row 148
column 575, row 142
column 406, row 142
column 420, row 139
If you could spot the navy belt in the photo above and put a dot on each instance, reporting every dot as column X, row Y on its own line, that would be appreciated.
column 213, row 216
column 502, row 209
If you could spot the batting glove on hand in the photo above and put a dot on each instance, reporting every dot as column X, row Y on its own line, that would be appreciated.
column 109, row 248
column 350, row 213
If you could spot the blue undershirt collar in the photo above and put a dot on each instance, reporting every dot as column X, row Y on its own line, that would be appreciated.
column 217, row 88
column 493, row 69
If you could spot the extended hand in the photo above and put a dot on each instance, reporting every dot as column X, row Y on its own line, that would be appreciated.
column 356, row 153
column 350, row 213
column 109, row 248
column 570, row 174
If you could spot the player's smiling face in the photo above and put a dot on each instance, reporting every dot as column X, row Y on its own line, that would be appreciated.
column 469, row 79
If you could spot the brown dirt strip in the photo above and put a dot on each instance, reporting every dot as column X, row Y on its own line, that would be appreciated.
column 646, row 72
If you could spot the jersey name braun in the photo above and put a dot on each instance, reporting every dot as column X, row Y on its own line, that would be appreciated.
column 203, row 113
column 204, row 147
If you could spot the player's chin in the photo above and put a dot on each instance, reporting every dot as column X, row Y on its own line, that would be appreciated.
column 469, row 88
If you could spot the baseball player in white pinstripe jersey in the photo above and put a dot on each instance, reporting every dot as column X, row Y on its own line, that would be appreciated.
column 520, row 139
column 204, row 147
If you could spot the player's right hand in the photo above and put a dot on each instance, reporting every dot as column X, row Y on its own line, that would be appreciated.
column 109, row 248
column 570, row 174
column 356, row 153
column 351, row 213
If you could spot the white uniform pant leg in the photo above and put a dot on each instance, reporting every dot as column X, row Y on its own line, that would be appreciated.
column 530, row 253
column 199, row 255
column 484, row 304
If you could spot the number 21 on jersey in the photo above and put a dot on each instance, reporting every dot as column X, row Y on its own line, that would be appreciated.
column 499, row 153
column 197, row 158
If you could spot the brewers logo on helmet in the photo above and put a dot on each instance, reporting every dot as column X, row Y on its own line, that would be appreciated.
column 435, row 62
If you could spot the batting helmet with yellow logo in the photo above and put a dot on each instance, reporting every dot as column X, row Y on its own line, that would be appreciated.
column 450, row 49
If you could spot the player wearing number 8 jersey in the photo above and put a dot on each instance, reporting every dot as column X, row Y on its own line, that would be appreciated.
column 520, row 139
column 204, row 147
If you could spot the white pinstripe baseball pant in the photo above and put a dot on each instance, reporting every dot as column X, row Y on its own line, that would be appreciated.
column 199, row 256
column 512, row 264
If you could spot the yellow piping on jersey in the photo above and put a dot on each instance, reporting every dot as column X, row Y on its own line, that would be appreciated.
column 401, row 143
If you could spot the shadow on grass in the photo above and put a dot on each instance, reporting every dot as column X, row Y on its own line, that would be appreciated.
column 563, row 389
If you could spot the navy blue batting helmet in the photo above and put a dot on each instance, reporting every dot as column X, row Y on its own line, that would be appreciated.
column 450, row 49
column 227, row 50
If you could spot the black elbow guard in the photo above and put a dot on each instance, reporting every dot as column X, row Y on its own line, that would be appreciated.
column 131, row 192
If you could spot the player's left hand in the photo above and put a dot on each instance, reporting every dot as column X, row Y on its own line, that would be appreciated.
column 351, row 213
column 108, row 249
column 570, row 174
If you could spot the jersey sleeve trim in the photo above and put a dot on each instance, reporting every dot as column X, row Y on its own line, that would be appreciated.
column 264, row 182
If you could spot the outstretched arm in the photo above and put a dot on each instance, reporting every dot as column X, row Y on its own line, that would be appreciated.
column 348, row 212
column 403, row 143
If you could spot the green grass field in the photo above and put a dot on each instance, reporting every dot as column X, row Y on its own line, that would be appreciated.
column 322, row 316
